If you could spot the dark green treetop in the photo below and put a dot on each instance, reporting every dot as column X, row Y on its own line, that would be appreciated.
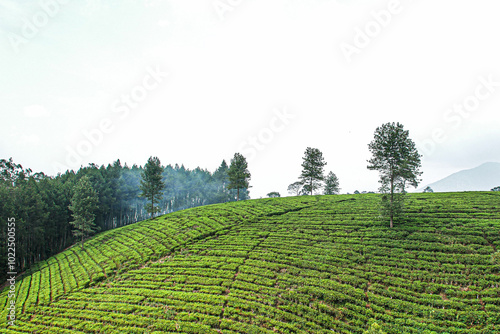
column 312, row 170
column 331, row 184
column 84, row 203
column 396, row 158
column 238, row 174
column 152, row 184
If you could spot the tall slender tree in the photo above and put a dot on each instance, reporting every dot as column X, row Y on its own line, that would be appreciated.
column 152, row 184
column 238, row 174
column 83, row 204
column 313, row 165
column 396, row 158
column 331, row 184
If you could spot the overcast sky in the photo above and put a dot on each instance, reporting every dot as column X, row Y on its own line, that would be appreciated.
column 193, row 82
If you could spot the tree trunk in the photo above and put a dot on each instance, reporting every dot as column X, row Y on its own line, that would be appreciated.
column 392, row 200
column 152, row 204
column 238, row 194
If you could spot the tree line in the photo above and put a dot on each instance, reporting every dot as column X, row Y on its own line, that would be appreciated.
column 44, row 206
column 394, row 156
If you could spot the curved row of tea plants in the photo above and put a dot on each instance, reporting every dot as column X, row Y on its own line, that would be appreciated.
column 128, row 247
column 293, row 265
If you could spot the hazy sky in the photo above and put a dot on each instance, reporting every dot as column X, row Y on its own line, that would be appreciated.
column 193, row 82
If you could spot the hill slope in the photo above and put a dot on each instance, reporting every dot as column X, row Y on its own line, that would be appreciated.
column 483, row 177
column 290, row 265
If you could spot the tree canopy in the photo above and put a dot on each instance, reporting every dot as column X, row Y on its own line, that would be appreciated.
column 40, row 203
column 396, row 158
column 313, row 165
column 238, row 174
column 84, row 203
column 332, row 186
column 295, row 188
column 152, row 184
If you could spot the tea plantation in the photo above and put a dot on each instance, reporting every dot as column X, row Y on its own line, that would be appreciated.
column 310, row 264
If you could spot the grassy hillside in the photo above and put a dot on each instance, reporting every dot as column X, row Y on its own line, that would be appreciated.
column 292, row 265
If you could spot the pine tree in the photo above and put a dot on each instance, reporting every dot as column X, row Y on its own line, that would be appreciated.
column 238, row 174
column 428, row 189
column 331, row 184
column 312, row 173
column 396, row 158
column 152, row 184
column 83, row 204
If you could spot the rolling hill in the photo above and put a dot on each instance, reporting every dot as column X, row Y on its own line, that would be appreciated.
column 310, row 264
column 481, row 178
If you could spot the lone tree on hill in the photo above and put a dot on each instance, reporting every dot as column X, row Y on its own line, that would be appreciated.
column 152, row 184
column 273, row 194
column 496, row 189
column 428, row 189
column 331, row 184
column 313, row 165
column 238, row 173
column 398, row 162
column 83, row 204
column 295, row 188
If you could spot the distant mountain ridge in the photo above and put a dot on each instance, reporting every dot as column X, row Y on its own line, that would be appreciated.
column 481, row 178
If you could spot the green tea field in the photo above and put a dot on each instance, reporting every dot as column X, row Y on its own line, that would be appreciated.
column 308, row 264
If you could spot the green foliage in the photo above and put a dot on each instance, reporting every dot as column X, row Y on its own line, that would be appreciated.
column 313, row 165
column 313, row 264
column 238, row 174
column 331, row 184
column 40, row 203
column 495, row 258
column 496, row 189
column 396, row 158
column 273, row 194
column 295, row 188
column 152, row 184
column 428, row 189
column 374, row 329
column 83, row 205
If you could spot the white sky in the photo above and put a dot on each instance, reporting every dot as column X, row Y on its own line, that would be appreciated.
column 233, row 66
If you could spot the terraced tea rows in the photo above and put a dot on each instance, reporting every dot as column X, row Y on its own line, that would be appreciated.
column 293, row 265
column 128, row 247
